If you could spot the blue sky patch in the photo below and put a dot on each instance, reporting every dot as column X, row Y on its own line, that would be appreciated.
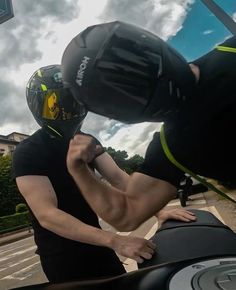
column 202, row 30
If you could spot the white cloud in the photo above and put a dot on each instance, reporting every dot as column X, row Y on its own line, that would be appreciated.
column 38, row 35
column 33, row 39
column 234, row 16
column 134, row 138
column 206, row 32
column 165, row 18
column 131, row 138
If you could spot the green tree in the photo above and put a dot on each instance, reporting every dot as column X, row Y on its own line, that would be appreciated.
column 133, row 163
column 9, row 194
column 119, row 157
column 21, row 207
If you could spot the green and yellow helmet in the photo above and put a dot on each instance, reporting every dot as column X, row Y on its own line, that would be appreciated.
column 53, row 105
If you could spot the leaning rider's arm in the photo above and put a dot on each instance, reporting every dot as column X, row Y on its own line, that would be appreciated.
column 125, row 210
column 41, row 198
column 109, row 170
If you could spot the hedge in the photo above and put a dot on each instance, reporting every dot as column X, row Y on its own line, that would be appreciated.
column 21, row 207
column 13, row 222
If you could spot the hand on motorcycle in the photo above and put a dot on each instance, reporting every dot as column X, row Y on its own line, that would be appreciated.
column 176, row 214
column 132, row 247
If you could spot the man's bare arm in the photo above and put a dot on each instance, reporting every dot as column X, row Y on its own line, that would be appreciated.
column 125, row 210
column 40, row 196
column 112, row 173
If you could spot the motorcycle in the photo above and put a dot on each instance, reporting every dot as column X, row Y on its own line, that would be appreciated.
column 189, row 186
column 198, row 255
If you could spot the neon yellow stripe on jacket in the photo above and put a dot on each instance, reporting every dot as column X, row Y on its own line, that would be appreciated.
column 226, row 48
column 186, row 170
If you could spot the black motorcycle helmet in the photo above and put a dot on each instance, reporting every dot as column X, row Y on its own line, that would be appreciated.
column 52, row 105
column 126, row 73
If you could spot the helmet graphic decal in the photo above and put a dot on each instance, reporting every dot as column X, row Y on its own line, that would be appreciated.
column 51, row 108
column 44, row 87
column 39, row 73
column 57, row 77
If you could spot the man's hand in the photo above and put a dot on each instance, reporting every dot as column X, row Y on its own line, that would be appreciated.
column 176, row 214
column 134, row 248
column 82, row 149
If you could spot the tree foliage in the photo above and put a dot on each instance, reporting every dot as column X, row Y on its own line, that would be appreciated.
column 134, row 163
column 21, row 207
column 9, row 194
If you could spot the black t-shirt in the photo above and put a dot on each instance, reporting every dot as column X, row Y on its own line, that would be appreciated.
column 157, row 165
column 201, row 136
column 42, row 154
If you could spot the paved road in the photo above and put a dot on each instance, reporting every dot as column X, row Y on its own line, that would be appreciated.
column 20, row 266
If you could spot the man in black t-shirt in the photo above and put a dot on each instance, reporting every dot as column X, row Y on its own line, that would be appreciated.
column 67, row 233
column 141, row 78
column 69, row 239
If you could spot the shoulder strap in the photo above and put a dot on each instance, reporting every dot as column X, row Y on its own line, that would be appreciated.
column 186, row 170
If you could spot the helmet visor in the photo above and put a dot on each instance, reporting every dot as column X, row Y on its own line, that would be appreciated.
column 60, row 105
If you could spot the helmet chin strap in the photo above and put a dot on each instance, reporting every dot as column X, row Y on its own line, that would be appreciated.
column 221, row 15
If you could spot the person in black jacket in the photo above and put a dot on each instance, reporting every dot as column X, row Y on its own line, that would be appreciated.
column 138, row 77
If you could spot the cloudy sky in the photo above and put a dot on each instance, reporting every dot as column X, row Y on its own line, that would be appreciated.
column 41, row 29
